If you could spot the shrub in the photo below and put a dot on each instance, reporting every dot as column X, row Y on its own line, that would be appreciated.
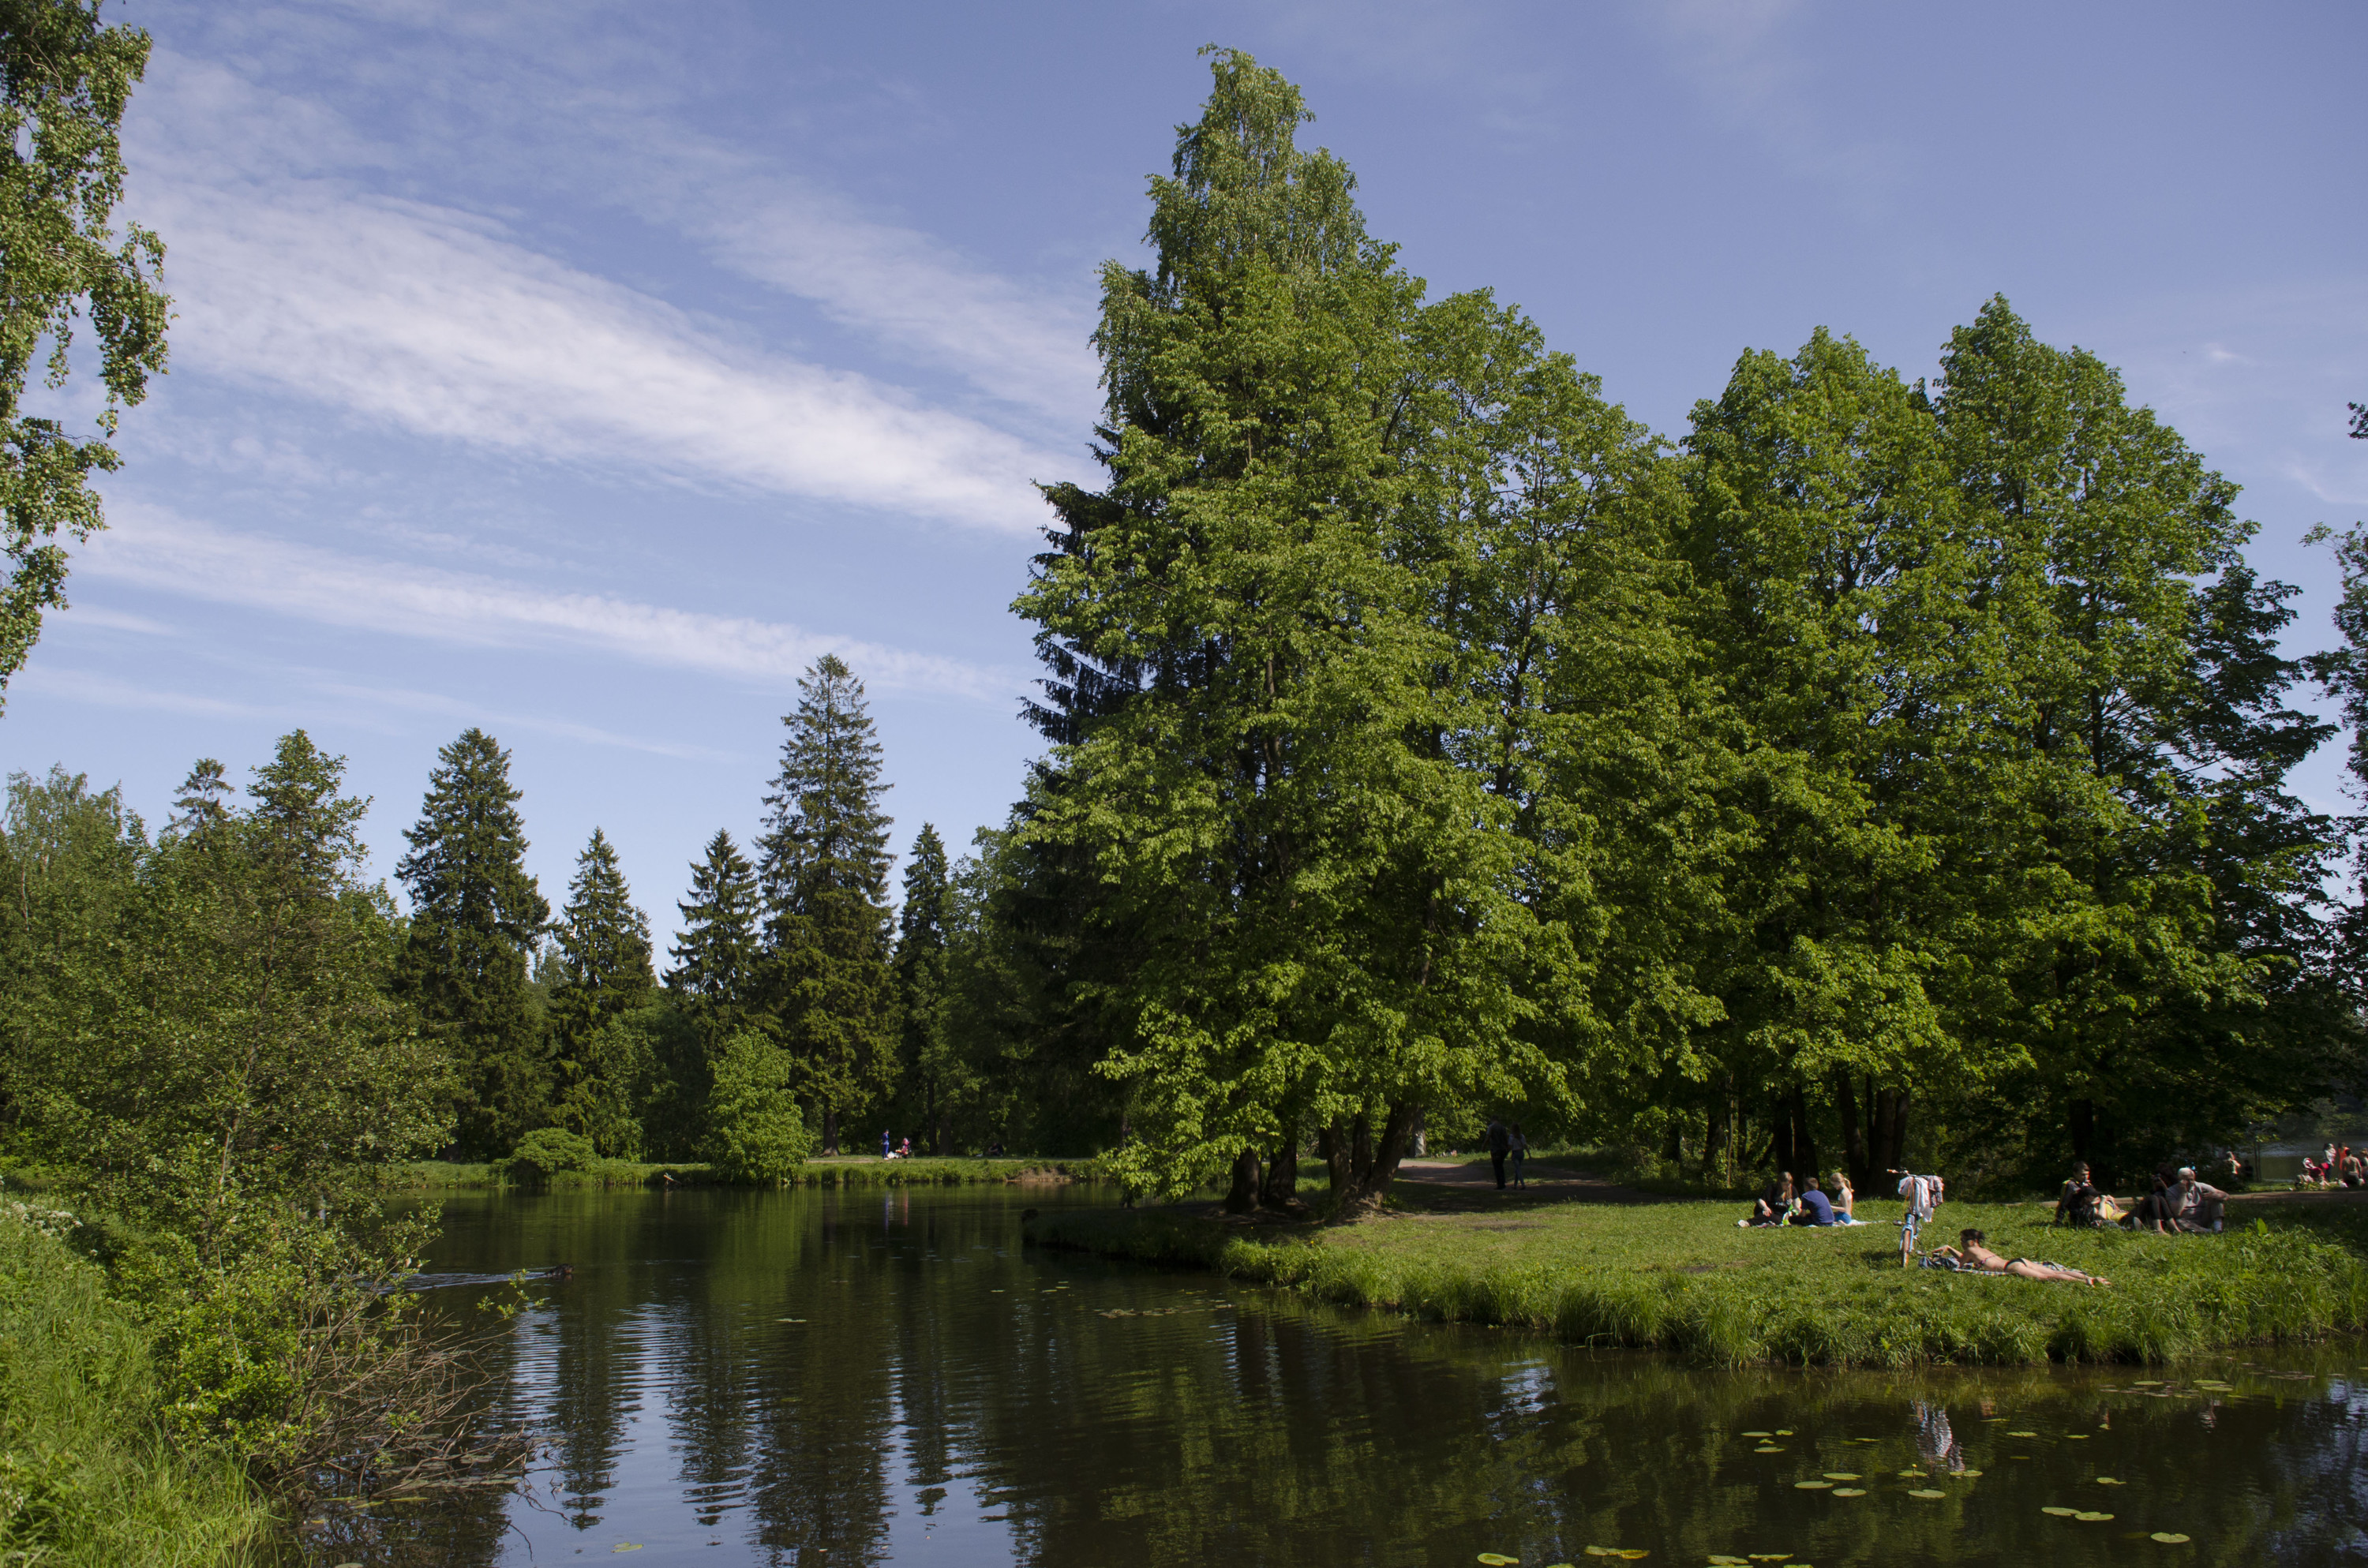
column 547, row 1150
column 759, row 1135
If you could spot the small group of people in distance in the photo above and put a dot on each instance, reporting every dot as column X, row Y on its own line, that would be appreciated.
column 2340, row 1166
column 2179, row 1204
column 1812, row 1204
column 1507, row 1147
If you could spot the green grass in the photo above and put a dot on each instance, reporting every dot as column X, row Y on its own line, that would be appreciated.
column 840, row 1171
column 1682, row 1276
column 84, row 1475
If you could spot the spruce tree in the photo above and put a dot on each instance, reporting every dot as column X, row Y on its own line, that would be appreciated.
column 202, row 806
column 475, row 918
column 921, row 984
column 823, row 862
column 716, row 957
column 603, row 975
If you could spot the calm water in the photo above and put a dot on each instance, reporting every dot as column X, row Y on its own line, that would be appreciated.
column 826, row 1379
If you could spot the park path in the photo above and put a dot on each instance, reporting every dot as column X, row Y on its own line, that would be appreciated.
column 1473, row 1184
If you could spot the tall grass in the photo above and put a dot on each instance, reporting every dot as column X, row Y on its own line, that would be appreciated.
column 85, row 1476
column 1680, row 1277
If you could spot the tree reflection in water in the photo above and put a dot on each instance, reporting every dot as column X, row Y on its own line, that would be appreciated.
column 815, row 1378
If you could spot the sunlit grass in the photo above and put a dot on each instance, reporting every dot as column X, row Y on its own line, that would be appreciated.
column 85, row 1476
column 1682, row 1276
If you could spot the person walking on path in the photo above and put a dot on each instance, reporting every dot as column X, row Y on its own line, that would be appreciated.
column 1500, row 1144
column 1519, row 1147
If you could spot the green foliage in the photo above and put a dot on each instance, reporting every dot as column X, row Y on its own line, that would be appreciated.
column 935, row 1077
column 64, row 81
column 475, row 918
column 603, row 973
column 716, row 960
column 202, row 1029
column 824, row 866
column 756, row 1133
column 547, row 1150
column 86, row 1473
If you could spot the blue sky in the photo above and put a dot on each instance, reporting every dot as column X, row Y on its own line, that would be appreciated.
column 583, row 370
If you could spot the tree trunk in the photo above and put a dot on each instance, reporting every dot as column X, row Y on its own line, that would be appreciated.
column 1244, row 1196
column 1853, row 1130
column 1378, row 1162
column 2082, row 1118
column 1805, row 1146
column 1780, row 1138
column 1886, row 1115
column 944, row 1137
column 1714, row 1135
column 1332, row 1142
column 1361, row 1152
column 1673, row 1147
column 1421, row 1137
column 1280, row 1189
column 830, row 1132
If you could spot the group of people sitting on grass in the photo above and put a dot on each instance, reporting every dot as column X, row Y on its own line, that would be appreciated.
column 1811, row 1205
column 2341, row 1165
column 2178, row 1204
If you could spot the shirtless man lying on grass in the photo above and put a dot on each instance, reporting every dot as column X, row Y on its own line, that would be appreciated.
column 1978, row 1259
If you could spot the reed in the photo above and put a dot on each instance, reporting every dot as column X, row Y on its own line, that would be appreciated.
column 1682, row 1277
column 86, row 1475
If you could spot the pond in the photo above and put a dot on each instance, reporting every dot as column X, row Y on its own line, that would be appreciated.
column 885, row 1376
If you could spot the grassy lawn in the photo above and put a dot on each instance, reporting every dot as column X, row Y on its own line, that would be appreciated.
column 845, row 1170
column 1679, row 1276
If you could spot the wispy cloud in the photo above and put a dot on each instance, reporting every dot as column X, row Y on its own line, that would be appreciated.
column 431, row 320
column 155, row 549
column 1741, row 59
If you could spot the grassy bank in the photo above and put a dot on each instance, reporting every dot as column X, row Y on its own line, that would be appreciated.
column 85, row 1476
column 1682, row 1276
column 846, row 1171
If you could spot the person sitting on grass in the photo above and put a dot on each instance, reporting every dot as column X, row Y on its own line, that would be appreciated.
column 2195, row 1206
column 2078, row 1202
column 1814, row 1209
column 1976, row 1258
column 1844, row 1198
column 1771, row 1207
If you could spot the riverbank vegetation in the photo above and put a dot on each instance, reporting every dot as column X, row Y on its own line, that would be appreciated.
column 920, row 1171
column 1680, row 1277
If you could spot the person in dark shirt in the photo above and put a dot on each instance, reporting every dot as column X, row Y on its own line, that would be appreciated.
column 1816, row 1208
column 2078, row 1202
column 1500, row 1144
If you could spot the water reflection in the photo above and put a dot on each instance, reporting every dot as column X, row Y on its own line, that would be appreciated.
column 819, row 1379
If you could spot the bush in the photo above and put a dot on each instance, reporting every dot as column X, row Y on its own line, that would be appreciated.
column 759, row 1134
column 545, row 1151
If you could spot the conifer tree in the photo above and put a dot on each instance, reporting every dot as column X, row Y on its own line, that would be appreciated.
column 603, row 975
column 476, row 917
column 202, row 806
column 823, row 862
column 929, row 1071
column 716, row 960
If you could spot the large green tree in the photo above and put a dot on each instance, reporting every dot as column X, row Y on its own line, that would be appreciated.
column 824, row 863
column 476, row 917
column 605, row 1067
column 715, row 957
column 64, row 80
column 1317, row 897
column 933, row 1072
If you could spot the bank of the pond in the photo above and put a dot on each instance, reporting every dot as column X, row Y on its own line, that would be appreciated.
column 1682, row 1276
column 85, row 1476
column 847, row 1171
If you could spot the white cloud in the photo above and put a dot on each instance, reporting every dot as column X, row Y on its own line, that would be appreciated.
column 431, row 320
column 156, row 550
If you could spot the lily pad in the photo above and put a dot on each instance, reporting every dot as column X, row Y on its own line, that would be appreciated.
column 1813, row 1486
column 2060, row 1513
column 2022, row 1434
column 2089, row 1516
column 1769, row 1556
column 1783, row 1431
column 1498, row 1560
column 1927, row 1492
column 2109, row 1481
column 1969, row 1474
column 1850, row 1491
column 1755, row 1434
column 1768, row 1448
column 1721, row 1560
column 2168, row 1538
column 2146, row 1383
column 1840, row 1475
column 2076, row 1436
column 1911, row 1475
